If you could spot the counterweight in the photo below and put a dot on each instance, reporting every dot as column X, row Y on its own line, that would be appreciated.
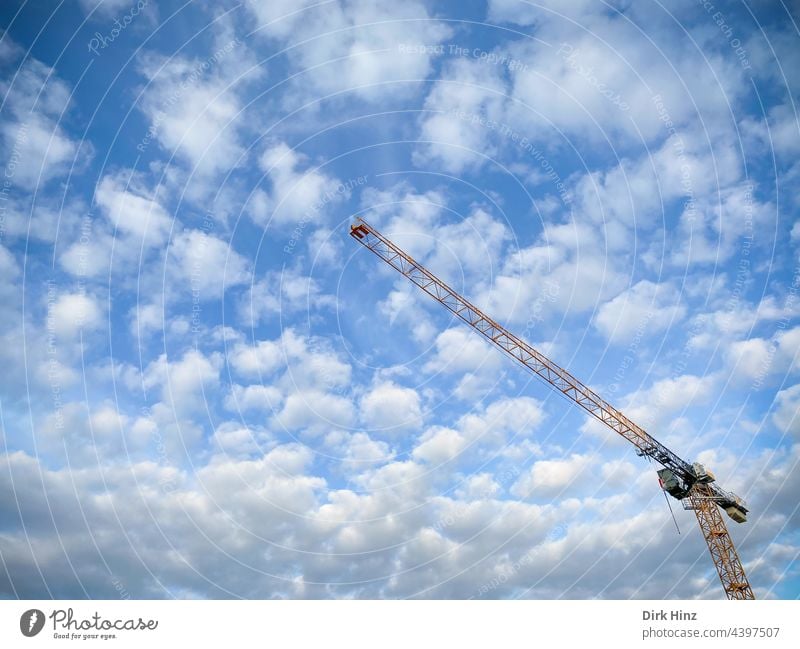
column 685, row 481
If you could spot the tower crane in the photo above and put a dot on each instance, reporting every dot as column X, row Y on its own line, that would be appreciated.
column 691, row 483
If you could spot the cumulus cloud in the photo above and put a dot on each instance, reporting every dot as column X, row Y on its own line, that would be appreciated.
column 565, row 272
column 35, row 146
column 665, row 397
column 278, row 295
column 374, row 50
column 485, row 432
column 454, row 127
column 787, row 412
column 238, row 503
column 131, row 211
column 315, row 412
column 460, row 251
column 391, row 409
column 9, row 271
column 297, row 195
column 403, row 307
column 260, row 359
column 72, row 313
column 265, row 398
column 711, row 230
column 300, row 381
column 759, row 359
column 194, row 105
column 646, row 306
column 440, row 445
column 233, row 439
column 183, row 383
column 205, row 266
column 553, row 477
column 522, row 13
column 594, row 82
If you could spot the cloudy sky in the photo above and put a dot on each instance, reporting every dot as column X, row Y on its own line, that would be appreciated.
column 209, row 390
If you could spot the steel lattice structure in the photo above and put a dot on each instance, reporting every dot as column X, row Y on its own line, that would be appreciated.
column 720, row 545
column 696, row 490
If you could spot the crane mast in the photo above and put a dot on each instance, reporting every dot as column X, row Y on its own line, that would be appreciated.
column 690, row 483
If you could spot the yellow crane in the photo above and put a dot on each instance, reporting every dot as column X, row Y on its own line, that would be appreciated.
column 688, row 482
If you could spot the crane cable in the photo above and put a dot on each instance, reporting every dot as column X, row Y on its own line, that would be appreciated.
column 669, row 504
column 663, row 491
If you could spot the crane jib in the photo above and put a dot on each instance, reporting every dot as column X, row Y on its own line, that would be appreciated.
column 690, row 483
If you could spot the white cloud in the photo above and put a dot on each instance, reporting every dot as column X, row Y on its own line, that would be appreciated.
column 72, row 313
column 302, row 381
column 600, row 79
column 204, row 267
column 325, row 247
column 553, row 477
column 712, row 231
column 297, row 195
column 281, row 296
column 194, row 106
column 460, row 251
column 35, row 147
column 524, row 13
column 9, row 271
column 84, row 435
column 313, row 363
column 107, row 421
column 564, row 271
column 468, row 249
column 484, row 431
column 453, row 128
column 736, row 319
column 759, row 359
column 778, row 132
column 645, row 308
column 90, row 256
column 479, row 486
column 315, row 412
column 618, row 474
column 360, row 46
column 403, row 307
column 107, row 8
column 460, row 350
column 440, row 445
column 41, row 216
column 265, row 398
column 390, row 409
column 518, row 417
column 405, row 216
column 787, row 413
column 359, row 451
column 146, row 318
column 467, row 355
column 654, row 406
column 419, row 542
column 236, row 440
column 662, row 407
column 630, row 198
column 133, row 212
column 184, row 384
column 258, row 360
column 752, row 358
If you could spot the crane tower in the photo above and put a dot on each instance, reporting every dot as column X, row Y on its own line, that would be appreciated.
column 691, row 483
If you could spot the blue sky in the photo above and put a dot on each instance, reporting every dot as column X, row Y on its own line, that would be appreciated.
column 210, row 390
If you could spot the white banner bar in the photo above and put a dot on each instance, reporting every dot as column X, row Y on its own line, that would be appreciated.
column 399, row 624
